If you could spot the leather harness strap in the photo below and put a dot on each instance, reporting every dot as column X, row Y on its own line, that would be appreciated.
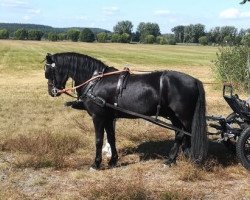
column 121, row 84
column 160, row 95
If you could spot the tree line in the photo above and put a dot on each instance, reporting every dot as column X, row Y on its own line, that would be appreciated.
column 146, row 32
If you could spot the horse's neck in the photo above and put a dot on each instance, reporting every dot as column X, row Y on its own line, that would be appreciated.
column 81, row 75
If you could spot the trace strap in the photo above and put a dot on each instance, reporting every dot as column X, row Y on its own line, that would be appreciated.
column 102, row 103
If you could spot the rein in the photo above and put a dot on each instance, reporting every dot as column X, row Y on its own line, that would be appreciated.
column 66, row 91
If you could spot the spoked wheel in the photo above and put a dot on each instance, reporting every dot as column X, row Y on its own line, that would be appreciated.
column 243, row 148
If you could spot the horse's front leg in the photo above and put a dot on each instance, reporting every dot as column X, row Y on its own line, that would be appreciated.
column 110, row 129
column 99, row 132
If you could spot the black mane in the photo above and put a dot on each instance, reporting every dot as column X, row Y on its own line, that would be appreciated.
column 78, row 64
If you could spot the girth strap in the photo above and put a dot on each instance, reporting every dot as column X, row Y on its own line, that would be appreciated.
column 121, row 84
column 160, row 96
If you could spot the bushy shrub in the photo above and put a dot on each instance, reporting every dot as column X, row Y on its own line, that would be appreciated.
column 246, row 40
column 87, row 35
column 161, row 40
column 125, row 38
column 115, row 37
column 73, row 35
column 4, row 34
column 62, row 36
column 149, row 39
column 102, row 37
column 52, row 37
column 35, row 34
column 21, row 34
column 233, row 65
column 203, row 40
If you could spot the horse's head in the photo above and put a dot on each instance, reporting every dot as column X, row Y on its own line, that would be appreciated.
column 56, row 74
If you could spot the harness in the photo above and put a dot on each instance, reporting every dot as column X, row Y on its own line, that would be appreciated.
column 121, row 85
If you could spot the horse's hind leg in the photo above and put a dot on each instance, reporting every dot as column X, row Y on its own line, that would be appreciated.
column 177, row 143
column 110, row 129
column 186, row 146
column 99, row 133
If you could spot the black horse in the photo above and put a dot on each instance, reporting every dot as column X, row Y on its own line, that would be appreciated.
column 170, row 94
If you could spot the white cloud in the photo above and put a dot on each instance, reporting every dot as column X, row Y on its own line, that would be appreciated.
column 110, row 10
column 162, row 12
column 233, row 13
column 14, row 4
column 21, row 6
column 26, row 18
column 34, row 11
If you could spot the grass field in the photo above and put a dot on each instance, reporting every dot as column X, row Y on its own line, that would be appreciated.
column 46, row 149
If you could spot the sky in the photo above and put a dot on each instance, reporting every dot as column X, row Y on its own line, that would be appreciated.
column 106, row 13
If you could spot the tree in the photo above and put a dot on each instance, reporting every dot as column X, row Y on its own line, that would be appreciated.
column 246, row 40
column 4, row 34
column 170, row 39
column 192, row 33
column 229, row 31
column 145, row 29
column 52, row 37
column 188, row 34
column 21, row 34
column 102, row 37
column 214, row 35
column 125, row 38
column 73, row 34
column 87, row 35
column 123, row 27
column 198, row 31
column 203, row 40
column 62, row 36
column 149, row 39
column 135, row 37
column 239, row 37
column 35, row 34
column 116, row 38
column 179, row 33
column 161, row 40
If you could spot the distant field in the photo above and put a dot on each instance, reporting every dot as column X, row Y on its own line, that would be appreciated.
column 46, row 149
column 27, row 55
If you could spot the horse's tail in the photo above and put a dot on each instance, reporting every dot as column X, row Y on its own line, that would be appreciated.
column 199, row 141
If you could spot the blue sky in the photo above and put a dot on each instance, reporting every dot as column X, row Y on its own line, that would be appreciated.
column 106, row 13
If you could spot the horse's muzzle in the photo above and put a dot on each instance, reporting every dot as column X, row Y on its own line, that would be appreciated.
column 53, row 90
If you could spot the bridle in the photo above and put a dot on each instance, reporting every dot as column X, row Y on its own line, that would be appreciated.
column 52, row 78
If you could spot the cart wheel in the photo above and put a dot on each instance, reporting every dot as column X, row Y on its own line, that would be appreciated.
column 243, row 148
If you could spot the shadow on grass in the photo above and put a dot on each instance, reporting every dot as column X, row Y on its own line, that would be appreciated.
column 160, row 150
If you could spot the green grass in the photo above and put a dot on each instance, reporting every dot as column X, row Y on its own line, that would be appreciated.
column 28, row 55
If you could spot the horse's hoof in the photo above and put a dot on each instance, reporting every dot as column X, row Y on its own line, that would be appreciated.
column 91, row 169
column 170, row 162
column 165, row 166
column 112, row 164
column 187, row 153
column 95, row 166
column 68, row 103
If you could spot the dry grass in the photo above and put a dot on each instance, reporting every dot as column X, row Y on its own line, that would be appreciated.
column 46, row 149
column 42, row 149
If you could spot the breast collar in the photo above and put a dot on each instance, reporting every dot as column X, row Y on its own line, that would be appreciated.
column 90, row 86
